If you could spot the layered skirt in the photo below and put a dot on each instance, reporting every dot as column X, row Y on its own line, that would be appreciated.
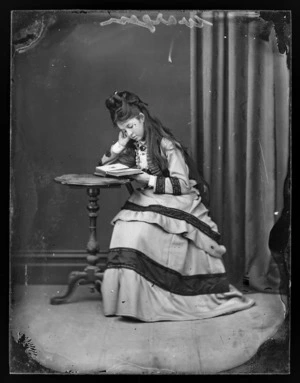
column 165, row 262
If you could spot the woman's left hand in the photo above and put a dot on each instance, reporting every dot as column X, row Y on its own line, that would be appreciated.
column 142, row 178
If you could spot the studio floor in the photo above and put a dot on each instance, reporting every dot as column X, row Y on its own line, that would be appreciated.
column 76, row 338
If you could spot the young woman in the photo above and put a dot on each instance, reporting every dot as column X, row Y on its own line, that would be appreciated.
column 165, row 257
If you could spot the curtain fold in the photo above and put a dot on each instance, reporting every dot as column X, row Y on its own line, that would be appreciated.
column 242, row 125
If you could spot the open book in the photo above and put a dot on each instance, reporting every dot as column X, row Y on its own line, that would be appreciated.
column 116, row 170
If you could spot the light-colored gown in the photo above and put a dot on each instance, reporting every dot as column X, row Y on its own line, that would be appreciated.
column 165, row 258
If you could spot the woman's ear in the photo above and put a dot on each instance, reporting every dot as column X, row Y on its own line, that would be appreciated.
column 141, row 117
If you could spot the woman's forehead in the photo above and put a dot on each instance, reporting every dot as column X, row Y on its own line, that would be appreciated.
column 123, row 124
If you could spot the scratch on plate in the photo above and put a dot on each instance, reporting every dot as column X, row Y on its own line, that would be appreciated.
column 191, row 23
column 170, row 51
column 124, row 363
column 27, row 345
column 28, row 37
column 263, row 206
column 284, row 305
column 150, row 24
column 262, row 154
column 143, row 73
column 26, row 275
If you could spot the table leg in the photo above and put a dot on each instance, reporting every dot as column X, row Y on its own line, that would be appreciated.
column 92, row 273
column 74, row 277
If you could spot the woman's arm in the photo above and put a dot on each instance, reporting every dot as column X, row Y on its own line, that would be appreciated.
column 111, row 154
column 178, row 182
column 115, row 150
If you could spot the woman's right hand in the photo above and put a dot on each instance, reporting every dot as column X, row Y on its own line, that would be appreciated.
column 123, row 138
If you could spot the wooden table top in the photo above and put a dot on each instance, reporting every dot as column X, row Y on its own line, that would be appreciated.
column 90, row 180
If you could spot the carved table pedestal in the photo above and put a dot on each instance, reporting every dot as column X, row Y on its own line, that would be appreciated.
column 92, row 273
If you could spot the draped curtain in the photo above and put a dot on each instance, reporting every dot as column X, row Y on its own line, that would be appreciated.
column 240, row 137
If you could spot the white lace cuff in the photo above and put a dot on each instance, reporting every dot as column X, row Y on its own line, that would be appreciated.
column 152, row 181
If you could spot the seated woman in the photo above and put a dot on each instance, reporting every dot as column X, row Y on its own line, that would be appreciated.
column 165, row 258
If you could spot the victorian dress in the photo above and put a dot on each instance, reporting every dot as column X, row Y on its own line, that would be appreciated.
column 165, row 255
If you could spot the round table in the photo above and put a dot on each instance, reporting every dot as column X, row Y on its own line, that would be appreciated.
column 92, row 273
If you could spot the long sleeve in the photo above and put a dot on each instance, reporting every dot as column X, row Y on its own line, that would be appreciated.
column 178, row 182
column 111, row 154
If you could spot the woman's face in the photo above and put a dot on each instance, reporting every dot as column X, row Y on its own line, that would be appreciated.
column 134, row 127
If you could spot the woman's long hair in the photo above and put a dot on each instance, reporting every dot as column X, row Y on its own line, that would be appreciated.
column 125, row 105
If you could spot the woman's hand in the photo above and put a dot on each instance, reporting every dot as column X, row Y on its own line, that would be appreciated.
column 142, row 178
column 123, row 138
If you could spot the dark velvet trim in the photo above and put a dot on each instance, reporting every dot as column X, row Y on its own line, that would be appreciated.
column 175, row 185
column 166, row 172
column 160, row 185
column 177, row 214
column 164, row 277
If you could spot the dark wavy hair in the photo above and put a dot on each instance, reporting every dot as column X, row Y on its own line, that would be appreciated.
column 125, row 105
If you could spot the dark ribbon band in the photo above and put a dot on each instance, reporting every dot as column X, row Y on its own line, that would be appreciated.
column 175, row 185
column 165, row 278
column 160, row 185
column 176, row 214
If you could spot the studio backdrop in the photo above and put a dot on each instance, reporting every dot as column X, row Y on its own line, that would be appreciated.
column 217, row 79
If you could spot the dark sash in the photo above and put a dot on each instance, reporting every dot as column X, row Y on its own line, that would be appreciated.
column 176, row 214
column 164, row 277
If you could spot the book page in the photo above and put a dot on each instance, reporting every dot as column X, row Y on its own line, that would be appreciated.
column 112, row 167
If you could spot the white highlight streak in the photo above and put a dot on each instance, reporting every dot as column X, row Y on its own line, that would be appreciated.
column 170, row 51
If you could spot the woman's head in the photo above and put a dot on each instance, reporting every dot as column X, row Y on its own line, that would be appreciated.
column 128, row 112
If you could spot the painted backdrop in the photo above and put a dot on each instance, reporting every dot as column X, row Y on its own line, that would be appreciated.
column 60, row 124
